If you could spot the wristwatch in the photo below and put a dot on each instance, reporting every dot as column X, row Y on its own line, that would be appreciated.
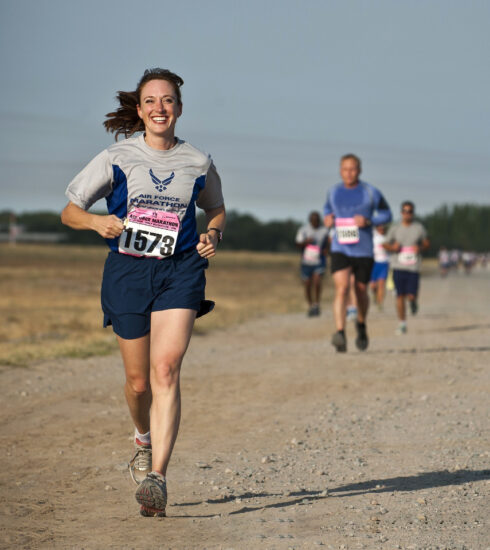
column 218, row 231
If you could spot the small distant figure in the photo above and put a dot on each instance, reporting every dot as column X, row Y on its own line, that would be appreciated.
column 469, row 260
column 406, row 240
column 455, row 257
column 444, row 261
column 379, row 274
column 312, row 239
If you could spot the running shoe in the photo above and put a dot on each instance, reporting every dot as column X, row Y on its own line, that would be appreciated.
column 414, row 307
column 351, row 313
column 362, row 340
column 314, row 311
column 140, row 464
column 339, row 341
column 402, row 329
column 151, row 494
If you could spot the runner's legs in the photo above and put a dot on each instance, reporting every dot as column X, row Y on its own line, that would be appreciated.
column 136, row 358
column 400, row 307
column 316, row 282
column 380, row 291
column 170, row 335
column 341, row 280
column 308, row 291
column 362, row 301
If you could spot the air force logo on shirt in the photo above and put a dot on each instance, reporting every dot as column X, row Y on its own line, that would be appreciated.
column 161, row 185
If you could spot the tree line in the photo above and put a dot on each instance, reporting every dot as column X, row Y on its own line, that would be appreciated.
column 464, row 226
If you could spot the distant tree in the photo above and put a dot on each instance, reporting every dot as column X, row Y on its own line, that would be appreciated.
column 463, row 226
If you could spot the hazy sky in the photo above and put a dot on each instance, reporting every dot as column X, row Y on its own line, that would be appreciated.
column 275, row 90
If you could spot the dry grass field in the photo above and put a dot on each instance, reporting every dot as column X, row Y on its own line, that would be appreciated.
column 50, row 304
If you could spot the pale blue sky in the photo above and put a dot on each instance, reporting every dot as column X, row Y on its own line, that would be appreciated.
column 275, row 90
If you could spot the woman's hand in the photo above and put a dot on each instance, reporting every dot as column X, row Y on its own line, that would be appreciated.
column 108, row 227
column 207, row 244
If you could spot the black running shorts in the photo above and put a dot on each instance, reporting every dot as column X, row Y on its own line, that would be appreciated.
column 361, row 267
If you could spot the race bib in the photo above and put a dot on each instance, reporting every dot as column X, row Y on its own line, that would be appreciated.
column 408, row 255
column 311, row 254
column 347, row 231
column 151, row 233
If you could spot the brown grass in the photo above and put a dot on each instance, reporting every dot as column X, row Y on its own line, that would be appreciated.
column 50, row 301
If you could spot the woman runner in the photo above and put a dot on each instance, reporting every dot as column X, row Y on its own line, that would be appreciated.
column 153, row 282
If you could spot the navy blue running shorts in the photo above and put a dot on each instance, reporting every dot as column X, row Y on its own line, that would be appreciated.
column 307, row 271
column 406, row 282
column 133, row 287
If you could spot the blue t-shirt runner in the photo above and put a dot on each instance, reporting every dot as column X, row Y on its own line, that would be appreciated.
column 346, row 202
column 352, row 208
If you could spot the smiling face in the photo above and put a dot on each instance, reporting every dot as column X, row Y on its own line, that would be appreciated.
column 159, row 109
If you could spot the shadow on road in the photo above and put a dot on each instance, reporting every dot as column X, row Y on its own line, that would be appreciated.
column 427, row 480
column 440, row 349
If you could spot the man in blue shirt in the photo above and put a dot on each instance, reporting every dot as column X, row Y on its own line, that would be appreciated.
column 352, row 208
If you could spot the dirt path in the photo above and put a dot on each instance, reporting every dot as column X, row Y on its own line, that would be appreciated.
column 284, row 444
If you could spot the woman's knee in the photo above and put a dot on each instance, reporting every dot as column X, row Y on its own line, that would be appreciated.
column 165, row 371
column 138, row 384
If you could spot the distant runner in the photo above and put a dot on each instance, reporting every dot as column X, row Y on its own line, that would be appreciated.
column 312, row 238
column 379, row 274
column 406, row 240
column 353, row 207
column 444, row 261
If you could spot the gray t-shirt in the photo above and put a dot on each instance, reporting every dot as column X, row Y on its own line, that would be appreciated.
column 130, row 174
column 408, row 236
column 313, row 252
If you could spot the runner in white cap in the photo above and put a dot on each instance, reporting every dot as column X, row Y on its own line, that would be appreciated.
column 379, row 274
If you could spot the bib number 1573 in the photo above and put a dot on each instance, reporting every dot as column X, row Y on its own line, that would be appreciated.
column 148, row 243
column 151, row 233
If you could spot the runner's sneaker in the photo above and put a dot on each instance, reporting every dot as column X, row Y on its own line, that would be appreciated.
column 339, row 341
column 351, row 313
column 362, row 340
column 140, row 464
column 314, row 311
column 151, row 494
column 402, row 329
column 414, row 307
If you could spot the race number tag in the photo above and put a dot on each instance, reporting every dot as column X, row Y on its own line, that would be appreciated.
column 148, row 232
column 408, row 255
column 347, row 231
column 311, row 254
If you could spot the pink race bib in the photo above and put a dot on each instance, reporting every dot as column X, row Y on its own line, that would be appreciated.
column 408, row 255
column 346, row 230
column 151, row 233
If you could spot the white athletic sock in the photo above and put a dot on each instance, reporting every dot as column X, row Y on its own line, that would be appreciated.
column 142, row 438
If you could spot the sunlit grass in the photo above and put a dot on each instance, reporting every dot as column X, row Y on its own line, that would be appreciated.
column 50, row 298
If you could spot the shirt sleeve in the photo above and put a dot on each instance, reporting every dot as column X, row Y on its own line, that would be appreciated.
column 390, row 236
column 300, row 237
column 93, row 183
column 211, row 196
column 327, row 209
column 382, row 210
column 423, row 233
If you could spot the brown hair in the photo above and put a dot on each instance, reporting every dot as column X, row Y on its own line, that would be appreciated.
column 355, row 158
column 125, row 119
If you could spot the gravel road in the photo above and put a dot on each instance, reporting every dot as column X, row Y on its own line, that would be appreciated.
column 284, row 444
